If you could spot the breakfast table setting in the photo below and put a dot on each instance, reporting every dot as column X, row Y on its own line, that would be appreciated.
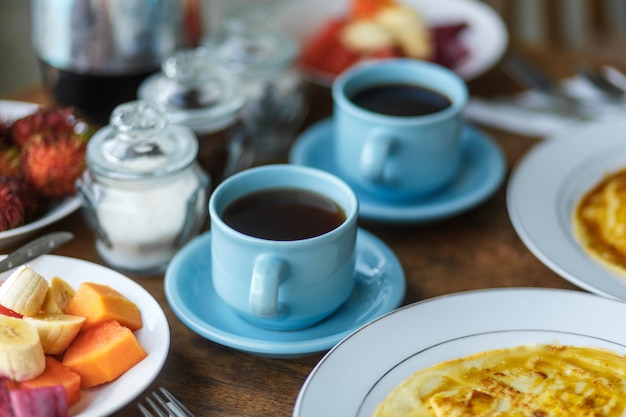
column 489, row 261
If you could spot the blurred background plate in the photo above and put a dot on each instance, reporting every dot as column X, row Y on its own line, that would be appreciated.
column 55, row 212
column 486, row 36
column 11, row 110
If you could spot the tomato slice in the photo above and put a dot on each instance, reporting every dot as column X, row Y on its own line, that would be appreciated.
column 388, row 52
column 325, row 53
column 316, row 49
column 8, row 312
column 339, row 58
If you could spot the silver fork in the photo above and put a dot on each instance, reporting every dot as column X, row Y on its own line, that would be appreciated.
column 165, row 405
column 601, row 82
column 527, row 74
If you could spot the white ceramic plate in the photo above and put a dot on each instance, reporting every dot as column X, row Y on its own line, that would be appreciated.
column 544, row 189
column 486, row 36
column 12, row 110
column 356, row 375
column 154, row 336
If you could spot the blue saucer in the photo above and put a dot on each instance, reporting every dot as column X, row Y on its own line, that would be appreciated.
column 380, row 288
column 482, row 171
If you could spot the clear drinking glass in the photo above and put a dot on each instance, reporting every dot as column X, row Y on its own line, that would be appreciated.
column 250, row 45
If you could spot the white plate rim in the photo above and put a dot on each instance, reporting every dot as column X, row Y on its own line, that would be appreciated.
column 154, row 336
column 57, row 211
column 486, row 36
column 544, row 188
column 385, row 346
column 11, row 110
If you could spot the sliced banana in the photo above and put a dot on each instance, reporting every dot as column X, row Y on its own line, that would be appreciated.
column 21, row 353
column 56, row 331
column 366, row 36
column 24, row 291
column 409, row 29
column 59, row 294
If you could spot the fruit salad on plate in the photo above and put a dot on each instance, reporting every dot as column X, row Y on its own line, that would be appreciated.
column 57, row 340
column 374, row 29
column 41, row 156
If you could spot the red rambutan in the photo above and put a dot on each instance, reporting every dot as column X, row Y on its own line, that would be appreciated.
column 52, row 163
column 12, row 210
column 10, row 161
column 5, row 132
column 53, row 120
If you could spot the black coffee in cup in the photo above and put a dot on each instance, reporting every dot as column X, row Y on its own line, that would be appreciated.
column 283, row 214
column 403, row 100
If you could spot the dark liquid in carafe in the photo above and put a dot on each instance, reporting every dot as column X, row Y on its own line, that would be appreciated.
column 95, row 96
column 283, row 214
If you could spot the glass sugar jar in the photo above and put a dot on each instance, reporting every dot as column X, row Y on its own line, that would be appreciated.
column 143, row 193
column 249, row 44
column 194, row 93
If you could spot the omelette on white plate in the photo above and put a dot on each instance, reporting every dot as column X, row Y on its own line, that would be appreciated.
column 532, row 381
column 599, row 222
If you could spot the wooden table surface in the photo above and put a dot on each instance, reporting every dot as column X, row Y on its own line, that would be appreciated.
column 475, row 250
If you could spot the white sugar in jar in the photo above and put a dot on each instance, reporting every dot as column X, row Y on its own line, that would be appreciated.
column 143, row 192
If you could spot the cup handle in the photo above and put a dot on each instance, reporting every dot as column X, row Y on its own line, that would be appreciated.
column 375, row 156
column 266, row 276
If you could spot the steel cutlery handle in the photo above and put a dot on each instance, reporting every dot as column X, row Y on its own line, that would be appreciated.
column 532, row 77
column 42, row 245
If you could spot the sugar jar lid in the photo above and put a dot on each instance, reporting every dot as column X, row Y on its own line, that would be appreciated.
column 140, row 143
column 249, row 43
column 193, row 90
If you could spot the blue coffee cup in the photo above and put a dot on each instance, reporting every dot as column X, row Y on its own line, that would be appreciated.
column 397, row 156
column 283, row 284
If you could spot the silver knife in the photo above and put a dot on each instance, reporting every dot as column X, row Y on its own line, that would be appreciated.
column 530, row 76
column 44, row 244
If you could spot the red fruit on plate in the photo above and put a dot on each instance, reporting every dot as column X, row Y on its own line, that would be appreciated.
column 59, row 121
column 316, row 53
column 5, row 132
column 39, row 402
column 382, row 53
column 449, row 46
column 8, row 312
column 9, row 160
column 367, row 9
column 12, row 210
column 339, row 58
column 5, row 400
column 52, row 163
